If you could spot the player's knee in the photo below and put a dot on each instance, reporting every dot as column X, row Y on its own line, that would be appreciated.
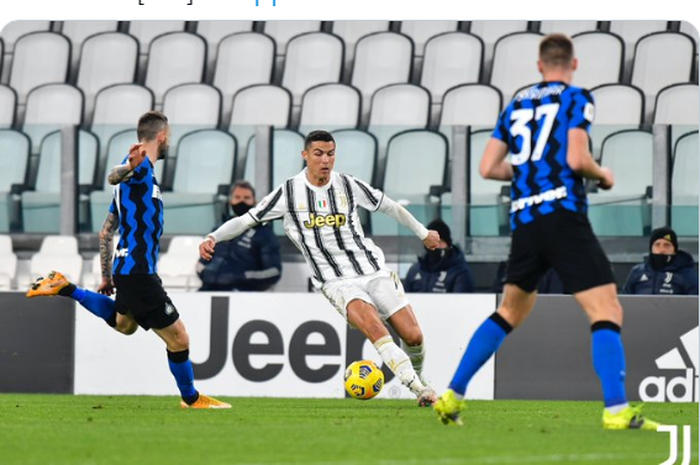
column 126, row 327
column 414, row 337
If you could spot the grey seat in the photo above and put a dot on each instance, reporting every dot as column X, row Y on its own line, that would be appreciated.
column 416, row 160
column 206, row 160
column 624, row 210
column 107, row 59
column 684, row 185
column 41, row 206
column 39, row 58
column 14, row 157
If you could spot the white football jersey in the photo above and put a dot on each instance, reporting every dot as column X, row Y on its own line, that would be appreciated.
column 324, row 225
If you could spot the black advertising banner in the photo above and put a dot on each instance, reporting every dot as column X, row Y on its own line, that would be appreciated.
column 549, row 356
column 36, row 344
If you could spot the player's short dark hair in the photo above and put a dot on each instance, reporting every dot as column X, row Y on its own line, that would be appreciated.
column 150, row 124
column 317, row 136
column 243, row 184
column 556, row 50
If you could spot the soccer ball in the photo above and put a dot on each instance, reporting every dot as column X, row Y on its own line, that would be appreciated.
column 363, row 379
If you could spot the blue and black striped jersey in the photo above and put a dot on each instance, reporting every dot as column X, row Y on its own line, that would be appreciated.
column 535, row 126
column 138, row 203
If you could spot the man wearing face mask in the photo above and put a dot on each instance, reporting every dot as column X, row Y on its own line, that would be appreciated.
column 250, row 262
column 666, row 271
column 443, row 270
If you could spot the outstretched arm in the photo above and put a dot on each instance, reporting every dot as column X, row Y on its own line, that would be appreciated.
column 227, row 231
column 106, row 247
column 123, row 172
column 389, row 207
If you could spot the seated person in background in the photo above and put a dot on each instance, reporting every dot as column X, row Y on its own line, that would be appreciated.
column 666, row 270
column 441, row 270
column 250, row 262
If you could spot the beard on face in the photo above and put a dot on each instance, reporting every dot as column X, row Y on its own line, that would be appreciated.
column 163, row 151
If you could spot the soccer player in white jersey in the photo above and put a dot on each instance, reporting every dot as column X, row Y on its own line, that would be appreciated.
column 319, row 208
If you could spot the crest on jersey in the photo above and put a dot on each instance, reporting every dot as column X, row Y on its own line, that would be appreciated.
column 342, row 200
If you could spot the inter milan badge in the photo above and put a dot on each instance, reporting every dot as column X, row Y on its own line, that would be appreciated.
column 169, row 308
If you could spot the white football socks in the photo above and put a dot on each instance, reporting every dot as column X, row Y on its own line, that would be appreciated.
column 399, row 363
column 417, row 355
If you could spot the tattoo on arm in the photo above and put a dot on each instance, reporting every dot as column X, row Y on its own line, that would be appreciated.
column 119, row 173
column 106, row 240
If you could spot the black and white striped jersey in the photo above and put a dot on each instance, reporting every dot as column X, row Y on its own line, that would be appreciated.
column 324, row 224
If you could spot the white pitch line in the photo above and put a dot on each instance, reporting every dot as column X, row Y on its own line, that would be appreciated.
column 557, row 458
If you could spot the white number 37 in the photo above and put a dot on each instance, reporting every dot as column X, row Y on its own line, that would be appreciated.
column 520, row 127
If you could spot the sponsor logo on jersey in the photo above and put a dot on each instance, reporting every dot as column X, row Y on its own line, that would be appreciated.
column 318, row 221
column 121, row 253
column 546, row 196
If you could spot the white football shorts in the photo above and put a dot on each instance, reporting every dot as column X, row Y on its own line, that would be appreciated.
column 383, row 290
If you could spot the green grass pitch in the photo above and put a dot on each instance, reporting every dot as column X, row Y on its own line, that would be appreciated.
column 95, row 430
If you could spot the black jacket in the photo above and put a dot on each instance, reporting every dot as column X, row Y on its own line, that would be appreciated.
column 450, row 274
column 250, row 262
column 678, row 277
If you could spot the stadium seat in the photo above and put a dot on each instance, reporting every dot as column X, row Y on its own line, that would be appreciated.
column 471, row 105
column 146, row 31
column 416, row 160
column 14, row 158
column 617, row 107
column 632, row 31
column 56, row 253
column 568, row 27
column 8, row 263
column 488, row 213
column 684, row 185
column 677, row 104
column 381, row 59
column 78, row 31
column 490, row 32
column 48, row 108
column 475, row 105
column 8, row 103
column 12, row 31
column 244, row 59
column 283, row 31
column 624, row 210
column 286, row 158
column 118, row 149
column 451, row 59
column 41, row 207
column 189, row 107
column 515, row 62
column 662, row 59
column 107, row 59
column 9, row 35
column 177, row 266
column 175, row 58
column 205, row 161
column 421, row 31
column 2, row 54
column 302, row 73
column 395, row 108
column 600, row 59
column 357, row 153
column 39, row 58
column 259, row 105
column 215, row 31
column 117, row 108
column 350, row 32
column 343, row 102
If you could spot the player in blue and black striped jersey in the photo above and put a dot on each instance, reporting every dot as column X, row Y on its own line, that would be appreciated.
column 545, row 128
column 137, row 212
